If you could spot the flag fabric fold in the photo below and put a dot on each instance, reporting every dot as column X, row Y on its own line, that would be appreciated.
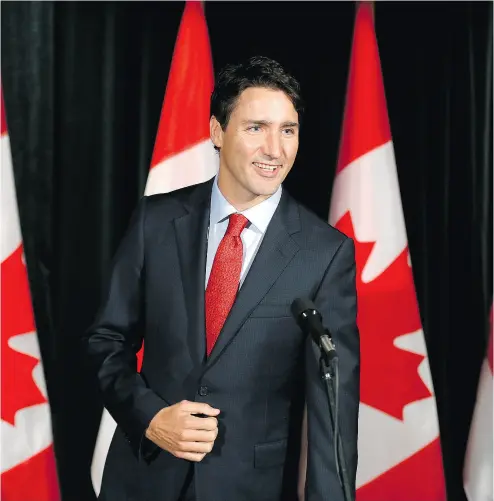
column 399, row 449
column 183, row 154
column 28, row 468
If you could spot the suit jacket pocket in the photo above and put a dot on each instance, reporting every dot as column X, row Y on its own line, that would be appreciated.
column 271, row 310
column 270, row 454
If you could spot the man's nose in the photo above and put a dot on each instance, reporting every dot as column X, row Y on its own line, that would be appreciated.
column 272, row 146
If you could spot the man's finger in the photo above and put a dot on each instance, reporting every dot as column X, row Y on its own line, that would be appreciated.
column 190, row 456
column 199, row 408
column 201, row 447
column 198, row 436
column 196, row 423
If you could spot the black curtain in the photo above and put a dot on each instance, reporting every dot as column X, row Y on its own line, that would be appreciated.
column 83, row 85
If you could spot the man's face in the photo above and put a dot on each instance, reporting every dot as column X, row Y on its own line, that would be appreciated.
column 258, row 146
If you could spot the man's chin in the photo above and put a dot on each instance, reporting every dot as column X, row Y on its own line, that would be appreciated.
column 266, row 189
column 266, row 193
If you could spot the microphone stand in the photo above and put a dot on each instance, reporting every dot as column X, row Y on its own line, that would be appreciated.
column 328, row 365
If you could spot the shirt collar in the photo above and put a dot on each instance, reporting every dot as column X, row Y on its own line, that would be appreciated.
column 259, row 216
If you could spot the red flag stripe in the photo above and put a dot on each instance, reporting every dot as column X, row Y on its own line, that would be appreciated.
column 184, row 119
column 365, row 123
column 409, row 480
column 34, row 480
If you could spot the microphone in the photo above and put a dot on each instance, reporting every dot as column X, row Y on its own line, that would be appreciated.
column 310, row 321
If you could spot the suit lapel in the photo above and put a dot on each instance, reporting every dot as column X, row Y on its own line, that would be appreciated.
column 192, row 233
column 275, row 253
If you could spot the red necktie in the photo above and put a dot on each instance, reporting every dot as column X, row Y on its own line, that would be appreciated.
column 224, row 279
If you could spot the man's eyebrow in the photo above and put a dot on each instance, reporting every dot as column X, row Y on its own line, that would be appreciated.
column 290, row 124
column 267, row 122
column 257, row 122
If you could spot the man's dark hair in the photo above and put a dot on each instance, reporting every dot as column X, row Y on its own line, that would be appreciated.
column 257, row 71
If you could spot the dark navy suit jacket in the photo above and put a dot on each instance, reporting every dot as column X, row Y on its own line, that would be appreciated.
column 156, row 294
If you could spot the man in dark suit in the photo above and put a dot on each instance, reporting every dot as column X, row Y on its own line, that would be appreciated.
column 206, row 276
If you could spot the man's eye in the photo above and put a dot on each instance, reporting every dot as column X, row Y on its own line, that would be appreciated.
column 289, row 132
column 254, row 128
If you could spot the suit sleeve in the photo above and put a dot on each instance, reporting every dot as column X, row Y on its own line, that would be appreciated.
column 112, row 342
column 336, row 299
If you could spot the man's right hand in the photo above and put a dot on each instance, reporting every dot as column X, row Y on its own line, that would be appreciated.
column 175, row 429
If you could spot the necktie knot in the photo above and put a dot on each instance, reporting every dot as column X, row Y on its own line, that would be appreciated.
column 236, row 225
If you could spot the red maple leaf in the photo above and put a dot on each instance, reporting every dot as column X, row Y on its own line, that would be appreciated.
column 18, row 387
column 387, row 309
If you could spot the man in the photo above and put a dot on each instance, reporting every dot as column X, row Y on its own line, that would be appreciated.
column 206, row 276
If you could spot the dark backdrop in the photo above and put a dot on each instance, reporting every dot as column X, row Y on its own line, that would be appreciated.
column 83, row 85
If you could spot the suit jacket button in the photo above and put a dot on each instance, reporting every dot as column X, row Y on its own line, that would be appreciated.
column 203, row 391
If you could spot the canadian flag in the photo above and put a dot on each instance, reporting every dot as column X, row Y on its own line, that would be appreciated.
column 28, row 469
column 183, row 152
column 477, row 472
column 399, row 449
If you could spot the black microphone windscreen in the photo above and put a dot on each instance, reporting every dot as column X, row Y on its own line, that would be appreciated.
column 300, row 305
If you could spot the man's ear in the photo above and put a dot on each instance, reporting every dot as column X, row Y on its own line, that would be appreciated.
column 216, row 132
